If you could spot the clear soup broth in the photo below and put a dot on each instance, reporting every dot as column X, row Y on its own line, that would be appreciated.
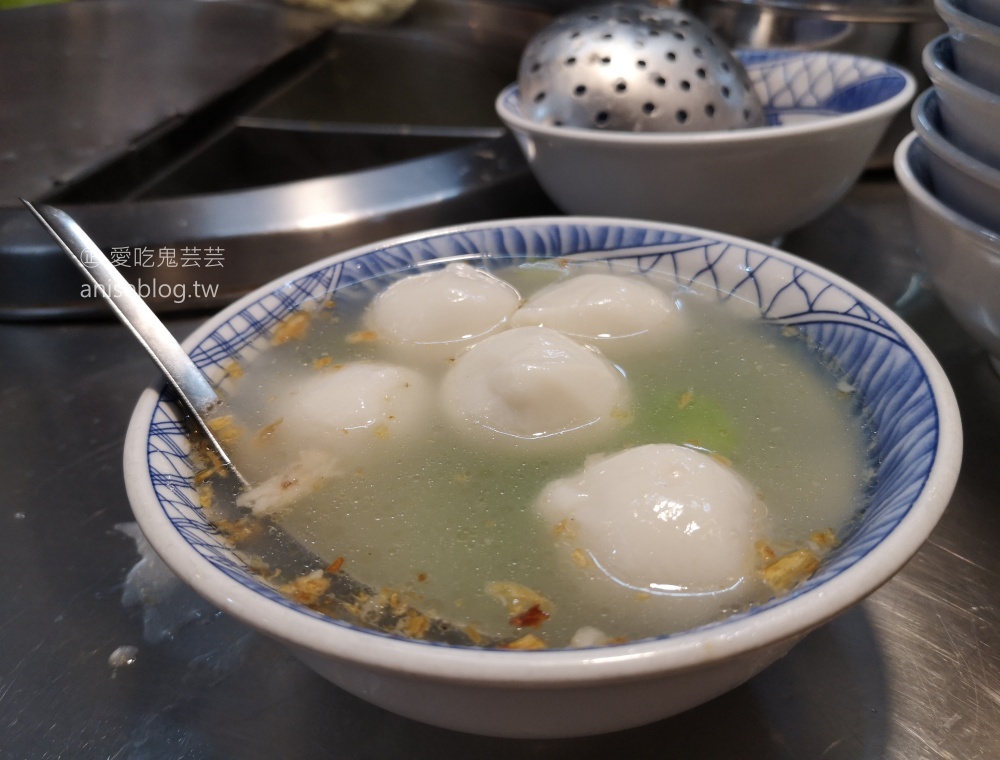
column 446, row 529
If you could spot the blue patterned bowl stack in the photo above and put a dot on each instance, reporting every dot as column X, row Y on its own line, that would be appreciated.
column 961, row 181
column 961, row 256
column 976, row 40
column 949, row 167
column 969, row 114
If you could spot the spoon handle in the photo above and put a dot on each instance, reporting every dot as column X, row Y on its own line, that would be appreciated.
column 190, row 382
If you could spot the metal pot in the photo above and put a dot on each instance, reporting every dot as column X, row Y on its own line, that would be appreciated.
column 895, row 32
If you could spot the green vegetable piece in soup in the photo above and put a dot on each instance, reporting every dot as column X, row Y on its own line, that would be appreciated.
column 687, row 418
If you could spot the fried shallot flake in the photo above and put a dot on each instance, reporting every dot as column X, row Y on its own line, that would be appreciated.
column 307, row 589
column 334, row 567
column 233, row 370
column 686, row 398
column 362, row 336
column 225, row 428
column 517, row 597
column 580, row 558
column 264, row 434
column 528, row 641
column 765, row 552
column 322, row 362
column 531, row 618
column 823, row 540
column 415, row 625
column 202, row 475
column 293, row 327
column 565, row 528
column 791, row 569
column 361, row 604
column 258, row 566
column 206, row 495
column 621, row 414
column 215, row 466
column 239, row 530
column 392, row 599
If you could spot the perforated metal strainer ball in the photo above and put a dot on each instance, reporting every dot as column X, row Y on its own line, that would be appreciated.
column 634, row 68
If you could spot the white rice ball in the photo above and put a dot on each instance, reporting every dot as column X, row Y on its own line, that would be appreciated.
column 353, row 410
column 618, row 314
column 432, row 317
column 532, row 385
column 660, row 518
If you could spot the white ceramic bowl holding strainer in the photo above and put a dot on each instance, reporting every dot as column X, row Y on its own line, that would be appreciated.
column 826, row 114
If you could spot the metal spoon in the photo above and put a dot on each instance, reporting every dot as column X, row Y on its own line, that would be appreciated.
column 197, row 394
column 194, row 389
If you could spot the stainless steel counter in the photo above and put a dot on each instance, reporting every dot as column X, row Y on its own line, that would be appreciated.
column 913, row 672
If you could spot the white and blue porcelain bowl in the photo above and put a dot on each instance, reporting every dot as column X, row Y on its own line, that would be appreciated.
column 827, row 113
column 915, row 455
column 976, row 44
column 970, row 115
column 967, row 185
column 961, row 256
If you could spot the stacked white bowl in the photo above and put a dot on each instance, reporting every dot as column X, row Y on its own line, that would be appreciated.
column 950, row 167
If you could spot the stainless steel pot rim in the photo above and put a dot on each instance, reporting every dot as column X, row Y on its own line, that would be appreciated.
column 849, row 11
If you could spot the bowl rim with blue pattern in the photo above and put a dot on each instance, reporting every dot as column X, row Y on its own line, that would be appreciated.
column 904, row 387
column 848, row 89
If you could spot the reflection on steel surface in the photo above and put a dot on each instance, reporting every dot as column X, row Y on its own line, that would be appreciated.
column 312, row 142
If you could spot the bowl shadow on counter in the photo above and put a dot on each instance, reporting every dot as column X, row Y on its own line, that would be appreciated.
column 828, row 697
